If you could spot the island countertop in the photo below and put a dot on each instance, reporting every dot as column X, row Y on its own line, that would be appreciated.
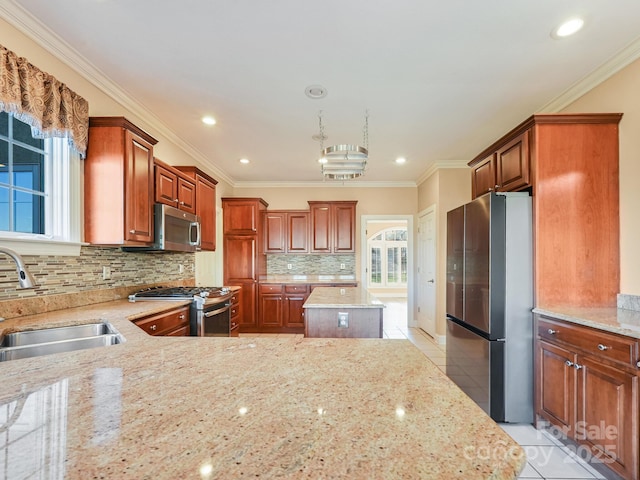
column 342, row 297
column 208, row 408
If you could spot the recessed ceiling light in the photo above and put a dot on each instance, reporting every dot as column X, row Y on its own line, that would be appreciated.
column 244, row 160
column 315, row 91
column 568, row 28
column 208, row 120
column 401, row 160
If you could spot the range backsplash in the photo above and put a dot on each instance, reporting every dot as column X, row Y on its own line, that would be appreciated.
column 57, row 275
column 320, row 264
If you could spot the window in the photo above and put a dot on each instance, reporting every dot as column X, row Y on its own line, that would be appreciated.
column 39, row 188
column 388, row 258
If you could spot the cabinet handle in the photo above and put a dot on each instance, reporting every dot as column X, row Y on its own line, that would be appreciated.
column 602, row 347
column 132, row 231
column 552, row 332
column 497, row 187
column 181, row 317
column 569, row 363
column 576, row 366
column 181, row 203
column 176, row 200
column 153, row 327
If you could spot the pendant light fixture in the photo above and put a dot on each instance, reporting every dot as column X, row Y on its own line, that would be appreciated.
column 343, row 161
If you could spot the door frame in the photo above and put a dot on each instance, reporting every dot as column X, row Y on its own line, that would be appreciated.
column 364, row 220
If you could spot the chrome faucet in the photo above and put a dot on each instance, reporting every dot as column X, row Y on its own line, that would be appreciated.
column 24, row 277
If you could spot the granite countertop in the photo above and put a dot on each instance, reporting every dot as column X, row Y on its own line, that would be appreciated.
column 207, row 408
column 308, row 279
column 616, row 320
column 342, row 297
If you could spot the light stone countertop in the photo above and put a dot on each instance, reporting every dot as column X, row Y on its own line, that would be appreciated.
column 616, row 320
column 214, row 408
column 341, row 297
column 319, row 279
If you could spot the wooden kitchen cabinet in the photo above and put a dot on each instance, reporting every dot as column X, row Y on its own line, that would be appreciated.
column 504, row 170
column 236, row 313
column 244, row 259
column 174, row 189
column 587, row 385
column 118, row 184
column 293, row 311
column 270, row 311
column 205, row 205
column 173, row 322
column 281, row 308
column 333, row 226
column 286, row 231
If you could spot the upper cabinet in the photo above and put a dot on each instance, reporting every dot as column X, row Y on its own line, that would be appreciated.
column 333, row 226
column 205, row 205
column 173, row 188
column 241, row 216
column 286, row 231
column 503, row 168
column 118, row 183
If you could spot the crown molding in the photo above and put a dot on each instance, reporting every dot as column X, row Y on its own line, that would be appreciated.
column 17, row 16
column 623, row 58
column 434, row 167
column 327, row 184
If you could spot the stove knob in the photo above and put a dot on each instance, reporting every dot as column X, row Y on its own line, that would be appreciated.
column 204, row 294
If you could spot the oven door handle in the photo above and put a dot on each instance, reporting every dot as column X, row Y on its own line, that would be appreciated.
column 216, row 312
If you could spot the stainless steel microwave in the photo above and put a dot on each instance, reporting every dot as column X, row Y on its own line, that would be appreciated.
column 174, row 231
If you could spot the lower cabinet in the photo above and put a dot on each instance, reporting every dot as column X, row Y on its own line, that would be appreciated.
column 235, row 316
column 587, row 390
column 173, row 322
column 281, row 308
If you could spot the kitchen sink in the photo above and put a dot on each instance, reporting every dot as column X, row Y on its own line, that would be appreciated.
column 33, row 343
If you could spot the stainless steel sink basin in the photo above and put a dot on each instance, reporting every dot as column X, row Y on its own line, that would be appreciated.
column 33, row 343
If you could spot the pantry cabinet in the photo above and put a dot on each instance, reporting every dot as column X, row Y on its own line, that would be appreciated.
column 333, row 226
column 118, row 184
column 587, row 387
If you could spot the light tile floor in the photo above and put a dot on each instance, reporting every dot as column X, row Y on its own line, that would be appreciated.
column 547, row 457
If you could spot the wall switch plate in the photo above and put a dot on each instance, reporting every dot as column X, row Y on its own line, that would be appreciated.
column 342, row 266
column 106, row 273
column 343, row 319
column 289, row 266
column 180, row 268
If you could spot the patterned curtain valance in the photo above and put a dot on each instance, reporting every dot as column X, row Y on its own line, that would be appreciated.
column 37, row 98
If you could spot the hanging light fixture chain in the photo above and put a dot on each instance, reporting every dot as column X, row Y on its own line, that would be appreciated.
column 366, row 129
column 322, row 137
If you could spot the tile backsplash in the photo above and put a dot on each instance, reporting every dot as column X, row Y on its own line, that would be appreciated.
column 56, row 275
column 314, row 264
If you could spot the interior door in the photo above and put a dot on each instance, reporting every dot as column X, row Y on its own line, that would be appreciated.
column 427, row 273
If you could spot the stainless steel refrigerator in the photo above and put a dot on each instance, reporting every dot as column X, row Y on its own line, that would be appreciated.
column 489, row 302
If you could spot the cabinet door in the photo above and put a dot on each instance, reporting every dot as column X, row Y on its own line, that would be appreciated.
column 239, row 259
column 186, row 195
column 138, row 218
column 274, row 232
column 298, row 232
column 607, row 415
column 206, row 210
column 247, row 317
column 344, row 226
column 483, row 178
column 512, row 165
column 293, row 311
column 166, row 186
column 321, row 236
column 270, row 310
column 241, row 217
column 555, row 398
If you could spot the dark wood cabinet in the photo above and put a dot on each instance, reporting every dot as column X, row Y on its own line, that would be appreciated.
column 205, row 205
column 286, row 231
column 294, row 298
column 333, row 226
column 587, row 385
column 236, row 313
column 174, row 189
column 173, row 322
column 244, row 259
column 270, row 306
column 506, row 169
column 281, row 307
column 118, row 184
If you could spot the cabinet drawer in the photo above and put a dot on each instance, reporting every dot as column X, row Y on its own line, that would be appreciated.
column 235, row 311
column 296, row 288
column 235, row 299
column 601, row 344
column 269, row 288
column 162, row 323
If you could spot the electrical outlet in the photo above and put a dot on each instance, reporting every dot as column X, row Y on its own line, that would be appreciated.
column 289, row 266
column 180, row 268
column 106, row 273
column 343, row 319
column 342, row 267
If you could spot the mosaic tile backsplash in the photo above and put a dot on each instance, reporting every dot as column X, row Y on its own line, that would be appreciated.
column 313, row 264
column 61, row 275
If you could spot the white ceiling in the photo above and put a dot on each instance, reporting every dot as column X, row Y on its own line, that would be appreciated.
column 441, row 80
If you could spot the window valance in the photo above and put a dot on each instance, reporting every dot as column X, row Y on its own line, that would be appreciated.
column 39, row 99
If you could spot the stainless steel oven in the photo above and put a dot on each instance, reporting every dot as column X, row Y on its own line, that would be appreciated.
column 210, row 313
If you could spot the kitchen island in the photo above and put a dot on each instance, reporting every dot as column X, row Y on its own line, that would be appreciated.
column 342, row 312
column 213, row 408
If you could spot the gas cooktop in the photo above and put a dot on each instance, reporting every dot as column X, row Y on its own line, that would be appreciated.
column 178, row 293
